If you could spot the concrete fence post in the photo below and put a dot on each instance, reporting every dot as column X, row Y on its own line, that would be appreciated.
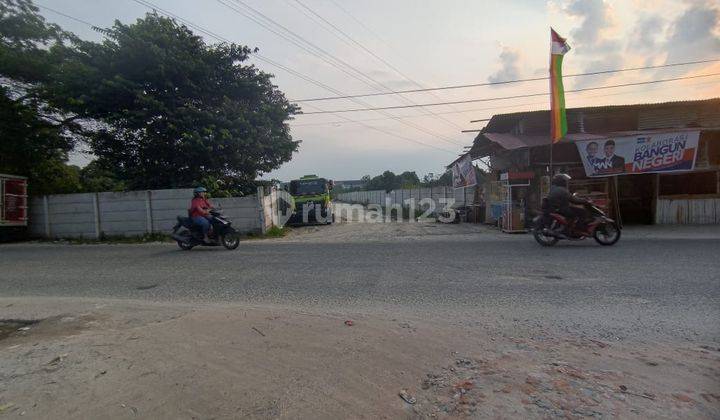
column 148, row 212
column 46, row 215
column 273, row 207
column 261, row 208
column 96, row 210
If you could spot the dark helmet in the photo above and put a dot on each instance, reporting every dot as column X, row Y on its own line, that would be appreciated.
column 561, row 180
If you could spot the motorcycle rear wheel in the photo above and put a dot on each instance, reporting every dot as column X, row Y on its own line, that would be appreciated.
column 230, row 240
column 185, row 246
column 607, row 234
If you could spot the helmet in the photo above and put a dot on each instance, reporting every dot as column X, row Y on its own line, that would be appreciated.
column 561, row 180
column 199, row 190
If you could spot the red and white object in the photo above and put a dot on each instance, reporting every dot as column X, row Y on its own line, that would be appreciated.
column 13, row 200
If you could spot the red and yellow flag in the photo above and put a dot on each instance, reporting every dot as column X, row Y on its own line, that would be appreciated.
column 558, row 120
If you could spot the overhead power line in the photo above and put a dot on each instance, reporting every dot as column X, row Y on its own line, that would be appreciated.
column 269, row 61
column 498, row 98
column 289, row 70
column 520, row 105
column 345, row 37
column 495, row 108
column 278, row 65
column 396, row 53
column 505, row 82
column 57, row 12
column 287, row 34
column 390, row 133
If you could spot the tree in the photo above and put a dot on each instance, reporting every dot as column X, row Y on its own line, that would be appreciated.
column 95, row 178
column 174, row 110
column 388, row 181
column 446, row 178
column 409, row 179
column 432, row 180
column 35, row 138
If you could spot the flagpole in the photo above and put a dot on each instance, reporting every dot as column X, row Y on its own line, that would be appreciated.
column 552, row 143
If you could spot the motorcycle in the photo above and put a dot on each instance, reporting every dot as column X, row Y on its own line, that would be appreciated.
column 550, row 227
column 189, row 235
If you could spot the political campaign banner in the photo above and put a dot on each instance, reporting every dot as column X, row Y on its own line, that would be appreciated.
column 650, row 153
column 464, row 173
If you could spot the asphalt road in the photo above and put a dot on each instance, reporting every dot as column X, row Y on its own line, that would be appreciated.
column 642, row 288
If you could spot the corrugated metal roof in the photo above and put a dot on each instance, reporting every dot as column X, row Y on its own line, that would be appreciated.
column 505, row 122
column 487, row 141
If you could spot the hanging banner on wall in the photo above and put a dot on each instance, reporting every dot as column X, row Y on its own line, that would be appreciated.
column 651, row 153
column 464, row 173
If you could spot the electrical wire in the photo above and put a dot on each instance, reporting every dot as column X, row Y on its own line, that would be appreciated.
column 525, row 104
column 222, row 39
column 390, row 133
column 356, row 44
column 511, row 97
column 328, row 57
column 505, row 82
column 57, row 12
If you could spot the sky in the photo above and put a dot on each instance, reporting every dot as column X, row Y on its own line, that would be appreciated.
column 372, row 46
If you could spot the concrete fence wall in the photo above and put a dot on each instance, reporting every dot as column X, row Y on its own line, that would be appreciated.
column 460, row 195
column 134, row 213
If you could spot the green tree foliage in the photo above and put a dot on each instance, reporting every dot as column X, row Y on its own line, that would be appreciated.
column 34, row 138
column 433, row 180
column 388, row 181
column 174, row 111
column 95, row 178
column 409, row 179
column 28, row 44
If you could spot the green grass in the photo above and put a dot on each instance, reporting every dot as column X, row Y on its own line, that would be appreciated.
column 273, row 232
column 277, row 232
column 116, row 239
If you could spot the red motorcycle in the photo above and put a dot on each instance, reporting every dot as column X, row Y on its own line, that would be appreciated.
column 550, row 227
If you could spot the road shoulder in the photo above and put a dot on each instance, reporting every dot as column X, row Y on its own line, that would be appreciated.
column 92, row 358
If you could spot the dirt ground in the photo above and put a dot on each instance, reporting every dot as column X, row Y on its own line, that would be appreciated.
column 128, row 359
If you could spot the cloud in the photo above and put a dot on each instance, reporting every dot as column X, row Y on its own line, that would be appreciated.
column 695, row 34
column 647, row 34
column 594, row 43
column 510, row 70
column 595, row 17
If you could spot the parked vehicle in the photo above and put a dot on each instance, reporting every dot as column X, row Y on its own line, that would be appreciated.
column 311, row 200
column 550, row 227
column 189, row 235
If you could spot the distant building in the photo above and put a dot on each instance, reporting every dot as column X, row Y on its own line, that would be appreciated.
column 647, row 163
column 349, row 184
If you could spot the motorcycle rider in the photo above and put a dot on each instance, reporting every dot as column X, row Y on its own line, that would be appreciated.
column 560, row 200
column 200, row 211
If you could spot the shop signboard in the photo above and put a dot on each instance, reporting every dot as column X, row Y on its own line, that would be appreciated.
column 640, row 154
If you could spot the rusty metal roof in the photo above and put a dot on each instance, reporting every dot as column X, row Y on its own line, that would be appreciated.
column 504, row 122
column 503, row 133
column 487, row 143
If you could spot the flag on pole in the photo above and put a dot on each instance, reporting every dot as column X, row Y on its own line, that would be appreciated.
column 558, row 121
